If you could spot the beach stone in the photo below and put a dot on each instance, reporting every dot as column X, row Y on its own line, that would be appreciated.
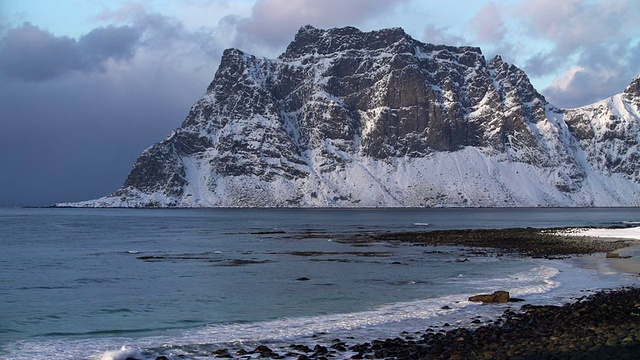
column 496, row 297
column 303, row 348
column 262, row 349
column 320, row 350
column 222, row 353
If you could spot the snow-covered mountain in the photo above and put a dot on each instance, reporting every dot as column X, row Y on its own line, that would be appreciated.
column 368, row 119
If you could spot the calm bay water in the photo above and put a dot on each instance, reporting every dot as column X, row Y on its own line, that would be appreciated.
column 78, row 283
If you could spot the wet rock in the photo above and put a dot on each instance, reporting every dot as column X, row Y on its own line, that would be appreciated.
column 303, row 348
column 262, row 349
column 496, row 297
column 320, row 350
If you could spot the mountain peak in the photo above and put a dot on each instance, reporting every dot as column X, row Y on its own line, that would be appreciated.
column 310, row 40
column 633, row 90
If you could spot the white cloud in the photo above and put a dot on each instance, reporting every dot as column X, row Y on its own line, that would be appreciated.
column 563, row 82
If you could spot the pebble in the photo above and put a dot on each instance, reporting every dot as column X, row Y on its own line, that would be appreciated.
column 605, row 324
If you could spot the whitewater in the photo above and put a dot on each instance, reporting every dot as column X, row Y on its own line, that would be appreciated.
column 115, row 283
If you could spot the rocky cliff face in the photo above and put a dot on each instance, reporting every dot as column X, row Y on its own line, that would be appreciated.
column 351, row 118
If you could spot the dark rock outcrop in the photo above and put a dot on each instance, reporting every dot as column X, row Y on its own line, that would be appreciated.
column 497, row 297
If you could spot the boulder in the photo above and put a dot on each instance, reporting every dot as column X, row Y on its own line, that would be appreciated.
column 496, row 297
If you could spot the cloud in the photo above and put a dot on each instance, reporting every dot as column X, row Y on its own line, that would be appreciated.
column 591, row 46
column 602, row 71
column 575, row 24
column 436, row 35
column 563, row 82
column 30, row 53
column 169, row 39
column 77, row 112
column 487, row 24
column 274, row 22
column 117, row 43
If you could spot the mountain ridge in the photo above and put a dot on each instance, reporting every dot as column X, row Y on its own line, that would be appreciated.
column 351, row 118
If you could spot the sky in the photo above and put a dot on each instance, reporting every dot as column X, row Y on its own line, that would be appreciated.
column 87, row 85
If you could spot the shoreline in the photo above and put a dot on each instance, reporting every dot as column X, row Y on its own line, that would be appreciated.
column 587, row 328
column 602, row 325
column 548, row 243
column 531, row 242
column 628, row 257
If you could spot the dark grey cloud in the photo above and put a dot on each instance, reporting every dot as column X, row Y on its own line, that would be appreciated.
column 108, row 95
column 542, row 63
column 117, row 43
column 77, row 138
column 168, row 38
column 30, row 53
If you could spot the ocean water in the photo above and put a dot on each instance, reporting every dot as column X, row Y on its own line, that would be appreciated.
column 111, row 283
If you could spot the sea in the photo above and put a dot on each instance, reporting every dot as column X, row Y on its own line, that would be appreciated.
column 109, row 284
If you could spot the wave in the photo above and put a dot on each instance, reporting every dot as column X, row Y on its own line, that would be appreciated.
column 122, row 354
column 378, row 322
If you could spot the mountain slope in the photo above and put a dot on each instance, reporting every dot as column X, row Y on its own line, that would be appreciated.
column 351, row 118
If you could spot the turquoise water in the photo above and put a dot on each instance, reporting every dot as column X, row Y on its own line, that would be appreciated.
column 79, row 283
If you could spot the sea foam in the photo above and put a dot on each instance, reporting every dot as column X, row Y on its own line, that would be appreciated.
column 122, row 354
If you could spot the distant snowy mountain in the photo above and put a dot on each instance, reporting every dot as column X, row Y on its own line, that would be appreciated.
column 345, row 118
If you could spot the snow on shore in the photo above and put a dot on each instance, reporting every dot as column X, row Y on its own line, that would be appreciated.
column 623, row 233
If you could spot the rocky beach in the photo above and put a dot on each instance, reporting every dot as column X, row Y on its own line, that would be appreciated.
column 605, row 325
column 599, row 325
